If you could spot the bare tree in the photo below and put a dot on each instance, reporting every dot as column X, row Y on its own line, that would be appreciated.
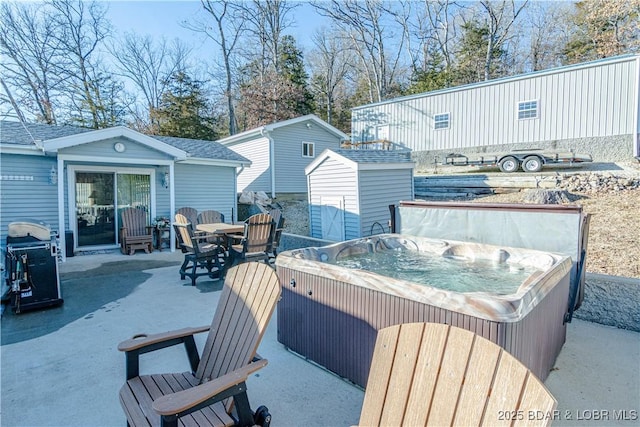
column 364, row 22
column 30, row 54
column 501, row 16
column 227, row 30
column 330, row 63
column 148, row 64
column 80, row 30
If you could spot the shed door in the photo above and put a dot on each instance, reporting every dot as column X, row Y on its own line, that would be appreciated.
column 332, row 217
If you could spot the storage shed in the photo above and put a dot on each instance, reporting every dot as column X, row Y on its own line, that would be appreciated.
column 350, row 191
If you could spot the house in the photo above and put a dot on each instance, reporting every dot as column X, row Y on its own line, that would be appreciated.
column 350, row 191
column 590, row 107
column 279, row 152
column 78, row 179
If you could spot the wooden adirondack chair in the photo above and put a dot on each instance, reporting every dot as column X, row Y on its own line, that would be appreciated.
column 434, row 374
column 205, row 396
column 135, row 233
column 198, row 253
column 191, row 214
column 257, row 241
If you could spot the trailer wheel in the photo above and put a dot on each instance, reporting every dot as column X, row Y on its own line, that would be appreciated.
column 532, row 164
column 509, row 164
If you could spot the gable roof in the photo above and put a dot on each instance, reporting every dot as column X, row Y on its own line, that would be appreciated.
column 50, row 138
column 260, row 131
column 365, row 159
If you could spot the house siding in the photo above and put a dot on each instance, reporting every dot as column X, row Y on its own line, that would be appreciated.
column 333, row 179
column 257, row 176
column 205, row 187
column 289, row 163
column 378, row 190
column 24, row 184
column 596, row 100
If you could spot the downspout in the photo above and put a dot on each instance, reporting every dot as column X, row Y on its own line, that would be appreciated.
column 272, row 160
column 172, row 205
column 636, row 139
column 61, row 228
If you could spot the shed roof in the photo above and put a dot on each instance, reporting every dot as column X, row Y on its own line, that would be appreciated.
column 366, row 159
column 51, row 138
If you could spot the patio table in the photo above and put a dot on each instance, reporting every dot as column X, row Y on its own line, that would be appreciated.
column 221, row 228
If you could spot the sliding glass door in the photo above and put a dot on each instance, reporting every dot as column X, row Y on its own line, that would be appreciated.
column 97, row 196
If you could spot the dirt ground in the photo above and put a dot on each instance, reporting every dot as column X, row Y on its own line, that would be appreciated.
column 614, row 234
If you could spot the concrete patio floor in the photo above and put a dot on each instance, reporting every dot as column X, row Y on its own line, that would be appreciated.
column 60, row 366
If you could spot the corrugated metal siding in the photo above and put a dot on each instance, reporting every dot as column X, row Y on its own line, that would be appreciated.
column 105, row 149
column 333, row 179
column 575, row 103
column 257, row 176
column 289, row 163
column 25, row 191
column 378, row 190
column 205, row 187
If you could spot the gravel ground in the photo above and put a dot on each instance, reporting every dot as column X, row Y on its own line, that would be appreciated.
column 614, row 236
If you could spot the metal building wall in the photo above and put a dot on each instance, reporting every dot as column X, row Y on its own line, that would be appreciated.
column 596, row 99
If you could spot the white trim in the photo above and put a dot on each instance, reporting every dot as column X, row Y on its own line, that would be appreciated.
column 529, row 101
column 435, row 121
column 313, row 150
column 61, row 226
column 71, row 200
column 214, row 162
column 636, row 113
column 357, row 166
column 54, row 145
column 28, row 150
column 117, row 160
column 385, row 166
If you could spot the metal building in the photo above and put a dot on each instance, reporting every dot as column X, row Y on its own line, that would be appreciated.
column 573, row 107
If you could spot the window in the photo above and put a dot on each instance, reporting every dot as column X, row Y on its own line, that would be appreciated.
column 527, row 110
column 441, row 121
column 308, row 149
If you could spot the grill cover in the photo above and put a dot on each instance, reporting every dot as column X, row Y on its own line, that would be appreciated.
column 38, row 230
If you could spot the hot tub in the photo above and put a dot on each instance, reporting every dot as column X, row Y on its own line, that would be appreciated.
column 330, row 314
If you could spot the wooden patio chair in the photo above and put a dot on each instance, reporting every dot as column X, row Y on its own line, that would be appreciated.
column 257, row 240
column 435, row 374
column 216, row 383
column 199, row 253
column 135, row 233
column 191, row 214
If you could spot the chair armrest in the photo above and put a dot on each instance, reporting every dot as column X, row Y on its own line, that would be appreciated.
column 144, row 340
column 184, row 400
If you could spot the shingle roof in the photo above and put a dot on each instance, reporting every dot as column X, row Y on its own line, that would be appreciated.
column 19, row 134
column 376, row 156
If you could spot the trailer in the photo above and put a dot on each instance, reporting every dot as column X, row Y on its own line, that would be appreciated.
column 531, row 160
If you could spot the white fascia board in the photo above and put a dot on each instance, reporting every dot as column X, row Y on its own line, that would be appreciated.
column 239, row 137
column 312, row 118
column 93, row 159
column 214, row 162
column 329, row 154
column 110, row 133
column 29, row 150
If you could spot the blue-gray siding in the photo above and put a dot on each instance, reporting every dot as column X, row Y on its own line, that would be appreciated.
column 380, row 188
column 25, row 191
column 257, row 176
column 205, row 187
column 102, row 149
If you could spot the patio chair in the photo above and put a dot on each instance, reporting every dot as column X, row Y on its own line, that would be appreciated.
column 279, row 220
column 199, row 253
column 135, row 233
column 191, row 214
column 216, row 383
column 210, row 217
column 437, row 374
column 257, row 240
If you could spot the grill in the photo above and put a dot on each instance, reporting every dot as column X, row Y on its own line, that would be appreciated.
column 32, row 265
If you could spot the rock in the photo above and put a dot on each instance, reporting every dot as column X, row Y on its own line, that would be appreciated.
column 549, row 197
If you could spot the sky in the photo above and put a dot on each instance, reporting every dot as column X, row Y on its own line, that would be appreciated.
column 159, row 18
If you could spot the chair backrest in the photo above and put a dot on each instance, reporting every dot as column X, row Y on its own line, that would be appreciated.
column 184, row 232
column 259, row 230
column 135, row 221
column 190, row 213
column 435, row 374
column 248, row 299
column 279, row 220
column 210, row 217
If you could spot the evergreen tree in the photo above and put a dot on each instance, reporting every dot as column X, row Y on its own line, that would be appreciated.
column 291, row 66
column 184, row 111
column 471, row 57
